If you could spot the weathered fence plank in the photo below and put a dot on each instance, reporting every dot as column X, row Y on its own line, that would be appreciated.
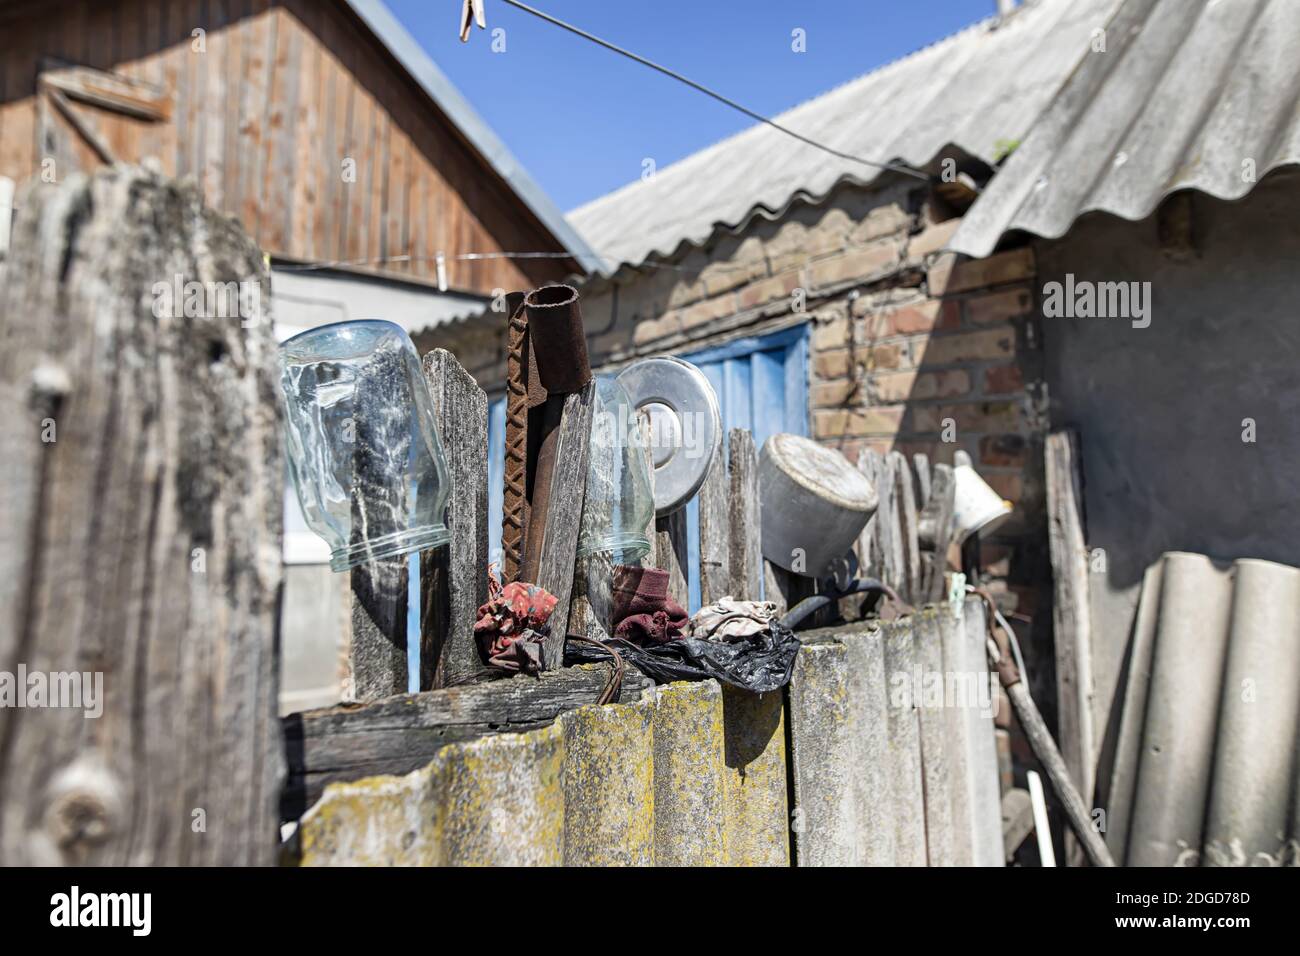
column 715, row 534
column 746, row 552
column 564, row 517
column 376, row 660
column 1070, row 614
column 671, row 554
column 403, row 733
column 140, row 540
column 935, row 531
column 453, row 579
column 376, row 665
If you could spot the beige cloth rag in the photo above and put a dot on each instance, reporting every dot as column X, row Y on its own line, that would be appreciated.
column 729, row 620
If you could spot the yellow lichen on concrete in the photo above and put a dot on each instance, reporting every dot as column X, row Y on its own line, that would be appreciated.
column 502, row 800
column 757, row 829
column 378, row 821
column 689, row 781
column 609, row 784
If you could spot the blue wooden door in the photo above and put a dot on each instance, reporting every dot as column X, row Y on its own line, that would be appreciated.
column 762, row 385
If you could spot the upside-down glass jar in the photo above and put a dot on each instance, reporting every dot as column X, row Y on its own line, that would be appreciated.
column 363, row 450
column 618, row 510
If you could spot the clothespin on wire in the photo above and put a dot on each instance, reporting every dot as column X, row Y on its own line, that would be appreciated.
column 471, row 12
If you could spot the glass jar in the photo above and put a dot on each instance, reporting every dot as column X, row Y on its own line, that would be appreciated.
column 362, row 447
column 618, row 509
column 619, row 504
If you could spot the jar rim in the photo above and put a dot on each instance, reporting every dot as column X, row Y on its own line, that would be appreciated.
column 388, row 546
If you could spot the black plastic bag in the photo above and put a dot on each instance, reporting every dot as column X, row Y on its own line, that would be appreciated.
column 763, row 662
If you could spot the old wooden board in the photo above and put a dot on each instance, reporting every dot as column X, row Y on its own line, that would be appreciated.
column 564, row 516
column 140, row 539
column 905, row 508
column 935, row 530
column 746, row 518
column 400, row 734
column 1070, row 610
column 377, row 661
column 454, row 577
column 715, row 534
column 671, row 554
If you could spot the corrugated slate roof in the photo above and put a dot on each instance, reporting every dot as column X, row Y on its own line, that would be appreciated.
column 1189, row 94
column 412, row 58
column 973, row 90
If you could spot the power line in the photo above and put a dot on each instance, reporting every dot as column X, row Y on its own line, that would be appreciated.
column 578, row 31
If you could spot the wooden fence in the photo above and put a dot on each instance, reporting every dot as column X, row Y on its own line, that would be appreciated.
column 143, row 543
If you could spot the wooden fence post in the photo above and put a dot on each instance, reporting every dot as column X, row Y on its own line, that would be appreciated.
column 746, row 517
column 715, row 534
column 1070, row 611
column 140, row 530
column 453, row 579
column 564, row 517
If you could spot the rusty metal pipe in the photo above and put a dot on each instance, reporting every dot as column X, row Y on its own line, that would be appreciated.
column 557, row 343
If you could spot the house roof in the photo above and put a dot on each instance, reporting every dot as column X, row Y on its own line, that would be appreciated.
column 975, row 90
column 1186, row 96
column 412, row 58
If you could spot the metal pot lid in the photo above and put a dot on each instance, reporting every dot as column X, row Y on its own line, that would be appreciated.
column 685, row 425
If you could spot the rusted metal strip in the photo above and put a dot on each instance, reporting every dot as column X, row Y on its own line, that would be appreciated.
column 515, row 512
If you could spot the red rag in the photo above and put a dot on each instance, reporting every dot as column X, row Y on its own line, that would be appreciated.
column 643, row 611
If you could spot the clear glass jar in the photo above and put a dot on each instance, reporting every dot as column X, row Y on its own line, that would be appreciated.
column 618, row 509
column 619, row 504
column 362, row 447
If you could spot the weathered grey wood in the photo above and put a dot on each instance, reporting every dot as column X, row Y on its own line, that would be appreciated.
column 376, row 655
column 1070, row 610
column 377, row 662
column 402, row 733
column 715, row 534
column 564, row 517
column 141, row 544
column 905, row 507
column 671, row 554
column 935, row 531
column 746, row 517
column 453, row 578
column 872, row 465
column 921, row 465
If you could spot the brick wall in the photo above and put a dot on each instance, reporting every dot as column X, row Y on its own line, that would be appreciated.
column 909, row 346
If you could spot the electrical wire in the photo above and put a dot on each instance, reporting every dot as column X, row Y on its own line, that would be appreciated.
column 727, row 101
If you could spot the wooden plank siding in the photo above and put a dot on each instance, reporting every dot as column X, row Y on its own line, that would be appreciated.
column 263, row 120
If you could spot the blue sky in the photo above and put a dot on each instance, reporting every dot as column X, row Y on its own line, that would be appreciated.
column 583, row 119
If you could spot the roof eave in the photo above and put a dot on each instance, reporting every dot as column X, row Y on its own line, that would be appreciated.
column 412, row 58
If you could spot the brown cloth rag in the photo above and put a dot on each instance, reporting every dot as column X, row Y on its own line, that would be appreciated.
column 643, row 611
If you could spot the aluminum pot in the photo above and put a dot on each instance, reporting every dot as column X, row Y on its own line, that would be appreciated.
column 814, row 504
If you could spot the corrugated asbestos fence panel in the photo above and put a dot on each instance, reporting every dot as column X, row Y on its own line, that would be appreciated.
column 890, row 735
column 687, row 775
column 893, row 756
column 1206, row 764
